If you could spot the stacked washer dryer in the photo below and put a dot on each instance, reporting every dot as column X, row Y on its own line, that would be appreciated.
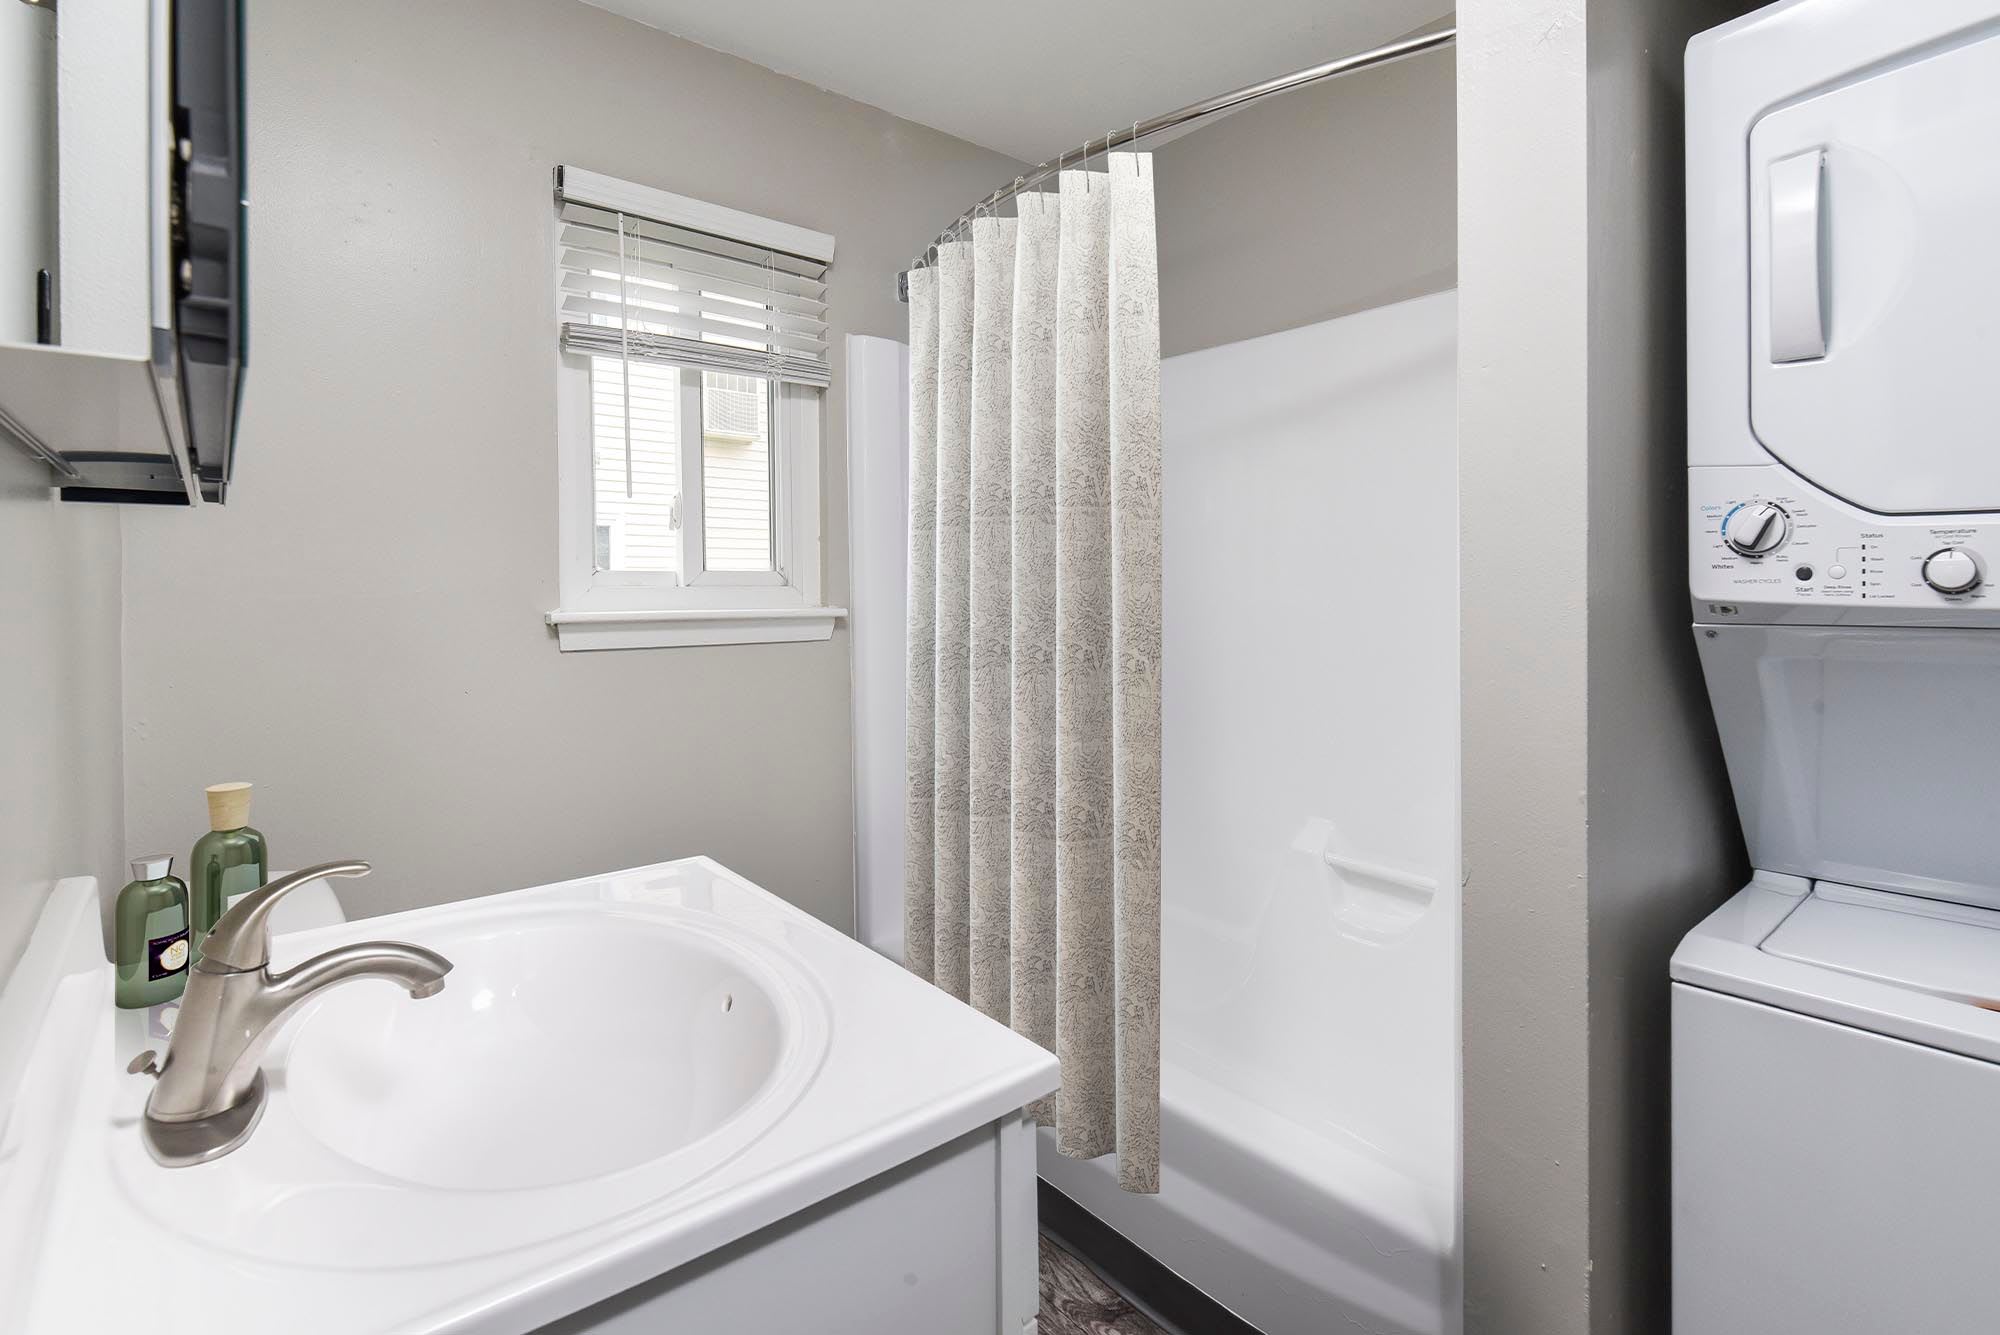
column 1836, row 1050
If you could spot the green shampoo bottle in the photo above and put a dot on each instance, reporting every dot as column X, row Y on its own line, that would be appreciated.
column 151, row 934
column 230, row 860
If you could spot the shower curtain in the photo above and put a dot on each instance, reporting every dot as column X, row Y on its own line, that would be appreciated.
column 1032, row 874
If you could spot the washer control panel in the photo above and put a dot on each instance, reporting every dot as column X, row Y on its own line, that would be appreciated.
column 1766, row 546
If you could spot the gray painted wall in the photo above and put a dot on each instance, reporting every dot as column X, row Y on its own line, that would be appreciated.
column 1306, row 207
column 1597, row 824
column 1665, row 845
column 360, row 631
column 61, row 808
column 60, row 792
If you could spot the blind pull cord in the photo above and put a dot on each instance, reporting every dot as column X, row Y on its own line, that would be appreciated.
column 625, row 356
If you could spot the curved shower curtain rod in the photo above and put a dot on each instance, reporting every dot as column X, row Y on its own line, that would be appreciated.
column 1284, row 83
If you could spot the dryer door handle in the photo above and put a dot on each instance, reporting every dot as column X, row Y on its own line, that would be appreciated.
column 1798, row 264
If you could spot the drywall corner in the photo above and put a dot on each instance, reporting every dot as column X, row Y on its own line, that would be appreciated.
column 1523, row 498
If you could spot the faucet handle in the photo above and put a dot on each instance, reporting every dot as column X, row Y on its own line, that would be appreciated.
column 241, row 939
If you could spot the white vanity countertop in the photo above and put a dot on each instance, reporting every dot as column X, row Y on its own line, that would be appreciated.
column 356, row 1209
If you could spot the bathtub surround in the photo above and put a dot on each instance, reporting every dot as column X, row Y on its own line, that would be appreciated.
column 1309, row 1015
column 1033, row 757
column 1275, row 1015
column 392, row 540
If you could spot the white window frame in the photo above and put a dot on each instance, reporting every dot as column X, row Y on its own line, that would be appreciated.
column 634, row 609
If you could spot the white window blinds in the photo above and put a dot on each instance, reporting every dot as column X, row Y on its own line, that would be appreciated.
column 651, row 276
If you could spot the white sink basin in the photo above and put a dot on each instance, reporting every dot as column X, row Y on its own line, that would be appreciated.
column 584, row 1059
column 566, row 1045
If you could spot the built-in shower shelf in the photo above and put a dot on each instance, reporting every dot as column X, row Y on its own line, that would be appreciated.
column 1379, row 902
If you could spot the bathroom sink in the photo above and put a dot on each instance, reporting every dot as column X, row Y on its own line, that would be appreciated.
column 585, row 1058
column 567, row 1045
column 623, row 1075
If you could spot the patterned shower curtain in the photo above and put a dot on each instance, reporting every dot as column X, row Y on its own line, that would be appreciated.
column 1032, row 876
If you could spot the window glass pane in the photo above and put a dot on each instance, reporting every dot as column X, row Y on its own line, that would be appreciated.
column 638, row 511
column 736, row 471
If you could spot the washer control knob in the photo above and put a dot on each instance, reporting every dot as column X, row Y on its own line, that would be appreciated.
column 1952, row 570
column 1757, row 528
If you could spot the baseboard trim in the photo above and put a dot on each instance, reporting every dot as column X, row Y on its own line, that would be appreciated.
column 1128, row 1266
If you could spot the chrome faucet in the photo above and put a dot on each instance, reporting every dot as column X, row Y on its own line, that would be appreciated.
column 211, row 1086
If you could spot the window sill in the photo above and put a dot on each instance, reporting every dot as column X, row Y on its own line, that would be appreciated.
column 683, row 627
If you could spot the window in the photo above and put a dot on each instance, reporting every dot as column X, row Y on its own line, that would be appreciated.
column 692, row 365
column 737, row 504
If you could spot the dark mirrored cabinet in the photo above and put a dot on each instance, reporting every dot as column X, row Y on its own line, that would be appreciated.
column 122, row 245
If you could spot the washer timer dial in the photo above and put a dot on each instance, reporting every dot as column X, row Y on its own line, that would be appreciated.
column 1952, row 570
column 1756, row 528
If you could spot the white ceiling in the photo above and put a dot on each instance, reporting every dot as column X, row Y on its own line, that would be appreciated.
column 1032, row 78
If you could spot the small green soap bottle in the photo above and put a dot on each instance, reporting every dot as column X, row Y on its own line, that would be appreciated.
column 230, row 860
column 152, row 934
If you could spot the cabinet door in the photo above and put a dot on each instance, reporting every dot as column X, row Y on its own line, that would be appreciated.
column 1874, row 300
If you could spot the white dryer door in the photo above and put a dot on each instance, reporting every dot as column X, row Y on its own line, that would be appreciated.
column 1875, row 284
column 1865, row 756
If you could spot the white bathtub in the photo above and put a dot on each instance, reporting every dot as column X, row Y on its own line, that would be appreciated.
column 1306, row 1193
column 1301, row 1209
column 1310, row 1009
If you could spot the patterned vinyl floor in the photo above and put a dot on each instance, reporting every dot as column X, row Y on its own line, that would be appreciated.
column 1076, row 1302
